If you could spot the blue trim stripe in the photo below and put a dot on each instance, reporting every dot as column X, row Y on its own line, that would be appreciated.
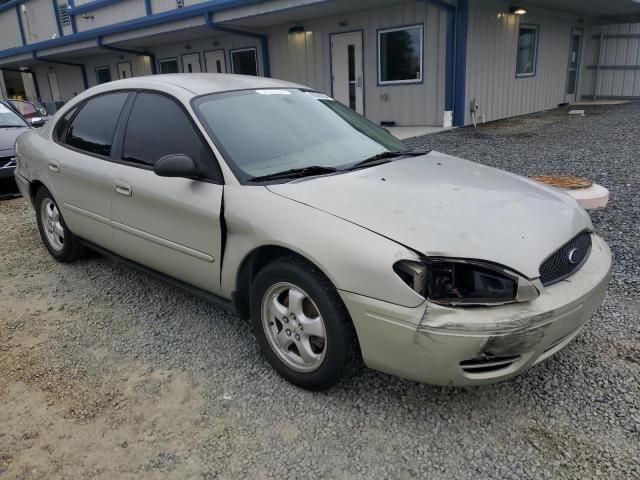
column 74, row 27
column 20, row 27
column 56, row 13
column 89, row 6
column 459, row 105
column 11, row 4
column 148, row 21
column 147, row 7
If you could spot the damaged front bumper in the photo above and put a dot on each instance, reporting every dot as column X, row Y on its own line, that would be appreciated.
column 467, row 346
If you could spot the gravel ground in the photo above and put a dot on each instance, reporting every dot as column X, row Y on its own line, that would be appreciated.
column 106, row 373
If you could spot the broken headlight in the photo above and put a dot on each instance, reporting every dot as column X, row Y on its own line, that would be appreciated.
column 464, row 283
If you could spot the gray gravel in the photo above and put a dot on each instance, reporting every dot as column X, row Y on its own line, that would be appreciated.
column 107, row 373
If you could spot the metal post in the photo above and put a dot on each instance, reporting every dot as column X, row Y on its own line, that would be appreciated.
column 596, row 88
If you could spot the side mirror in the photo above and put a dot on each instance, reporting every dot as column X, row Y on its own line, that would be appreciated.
column 176, row 166
column 36, row 121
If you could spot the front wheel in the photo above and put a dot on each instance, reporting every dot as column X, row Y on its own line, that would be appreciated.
column 301, row 324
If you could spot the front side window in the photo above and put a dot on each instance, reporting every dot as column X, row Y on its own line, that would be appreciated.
column 169, row 65
column 527, row 51
column 158, row 127
column 103, row 75
column 273, row 130
column 9, row 118
column 245, row 61
column 400, row 55
column 93, row 127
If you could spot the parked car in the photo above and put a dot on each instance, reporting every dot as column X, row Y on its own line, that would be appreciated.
column 334, row 238
column 12, row 126
column 35, row 113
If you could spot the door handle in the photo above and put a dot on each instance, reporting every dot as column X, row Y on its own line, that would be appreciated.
column 123, row 188
column 54, row 167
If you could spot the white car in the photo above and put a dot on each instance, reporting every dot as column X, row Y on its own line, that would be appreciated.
column 284, row 205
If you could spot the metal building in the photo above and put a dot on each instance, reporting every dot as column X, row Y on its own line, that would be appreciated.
column 400, row 62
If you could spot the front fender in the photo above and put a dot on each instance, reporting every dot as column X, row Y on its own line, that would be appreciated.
column 353, row 258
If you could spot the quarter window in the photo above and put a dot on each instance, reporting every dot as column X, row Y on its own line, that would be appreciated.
column 400, row 55
column 245, row 61
column 93, row 127
column 169, row 65
column 527, row 51
column 103, row 75
column 158, row 127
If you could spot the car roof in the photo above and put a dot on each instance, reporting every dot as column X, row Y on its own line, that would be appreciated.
column 202, row 83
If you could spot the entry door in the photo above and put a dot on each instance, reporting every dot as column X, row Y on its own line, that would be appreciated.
column 574, row 65
column 53, row 85
column 214, row 61
column 191, row 63
column 346, row 66
column 124, row 70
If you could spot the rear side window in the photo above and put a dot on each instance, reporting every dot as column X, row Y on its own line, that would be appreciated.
column 93, row 127
column 60, row 130
column 157, row 127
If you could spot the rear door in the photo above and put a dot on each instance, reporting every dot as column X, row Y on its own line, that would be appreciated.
column 171, row 225
column 79, row 167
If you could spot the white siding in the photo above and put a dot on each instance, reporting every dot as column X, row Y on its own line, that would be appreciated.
column 491, row 60
column 616, row 52
column 9, row 33
column 307, row 59
column 214, row 42
column 116, row 13
column 41, row 25
column 69, row 80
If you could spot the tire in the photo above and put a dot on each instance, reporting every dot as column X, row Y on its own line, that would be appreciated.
column 309, row 361
column 63, row 245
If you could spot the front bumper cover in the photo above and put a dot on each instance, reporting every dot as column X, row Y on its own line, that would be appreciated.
column 467, row 346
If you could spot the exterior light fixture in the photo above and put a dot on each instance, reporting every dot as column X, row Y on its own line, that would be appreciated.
column 518, row 11
column 296, row 29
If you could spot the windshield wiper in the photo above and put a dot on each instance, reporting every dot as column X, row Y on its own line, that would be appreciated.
column 296, row 173
column 384, row 157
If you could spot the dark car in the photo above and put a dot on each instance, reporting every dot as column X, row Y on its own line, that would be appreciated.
column 11, row 126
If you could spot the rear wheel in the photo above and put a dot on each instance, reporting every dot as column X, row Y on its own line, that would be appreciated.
column 301, row 324
column 63, row 245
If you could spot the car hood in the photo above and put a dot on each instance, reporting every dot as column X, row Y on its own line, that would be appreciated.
column 8, row 138
column 441, row 205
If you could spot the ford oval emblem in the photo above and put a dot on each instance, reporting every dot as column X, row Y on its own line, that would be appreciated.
column 574, row 256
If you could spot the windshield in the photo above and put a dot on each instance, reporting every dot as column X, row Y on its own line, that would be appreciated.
column 8, row 118
column 269, row 131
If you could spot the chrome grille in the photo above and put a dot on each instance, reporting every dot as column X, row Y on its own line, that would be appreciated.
column 566, row 260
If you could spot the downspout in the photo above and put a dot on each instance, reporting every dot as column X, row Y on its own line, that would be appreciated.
column 460, row 63
column 83, row 69
column 264, row 40
column 56, row 13
column 597, row 79
column 152, row 57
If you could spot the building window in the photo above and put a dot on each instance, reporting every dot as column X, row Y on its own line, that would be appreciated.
column 527, row 51
column 103, row 75
column 169, row 65
column 400, row 55
column 245, row 61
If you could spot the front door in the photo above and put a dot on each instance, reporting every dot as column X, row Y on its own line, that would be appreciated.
column 124, row 70
column 171, row 225
column 214, row 61
column 191, row 63
column 346, row 67
column 574, row 66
